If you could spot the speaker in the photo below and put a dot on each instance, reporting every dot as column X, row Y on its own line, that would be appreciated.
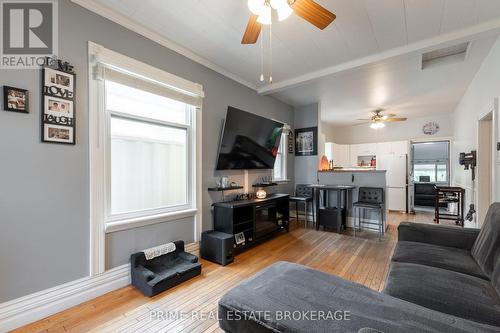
column 217, row 247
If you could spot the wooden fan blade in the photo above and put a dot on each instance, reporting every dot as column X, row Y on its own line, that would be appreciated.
column 395, row 119
column 364, row 119
column 313, row 13
column 252, row 31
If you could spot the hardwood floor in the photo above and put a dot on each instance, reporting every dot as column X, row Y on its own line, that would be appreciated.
column 363, row 259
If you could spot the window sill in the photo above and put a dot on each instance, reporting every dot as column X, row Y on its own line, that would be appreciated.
column 148, row 220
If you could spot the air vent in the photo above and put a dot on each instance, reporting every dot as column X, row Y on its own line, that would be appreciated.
column 445, row 56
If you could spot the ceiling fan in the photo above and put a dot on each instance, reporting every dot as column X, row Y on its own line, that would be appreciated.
column 378, row 119
column 262, row 14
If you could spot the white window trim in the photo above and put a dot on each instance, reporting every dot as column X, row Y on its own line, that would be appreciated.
column 98, row 150
column 284, row 161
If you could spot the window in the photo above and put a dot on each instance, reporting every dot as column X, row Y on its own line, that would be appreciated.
column 431, row 173
column 149, row 151
column 144, row 148
column 280, row 165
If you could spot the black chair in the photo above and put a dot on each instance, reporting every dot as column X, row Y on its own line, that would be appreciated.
column 369, row 198
column 303, row 194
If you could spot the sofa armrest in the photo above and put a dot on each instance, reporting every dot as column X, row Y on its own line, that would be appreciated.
column 188, row 257
column 462, row 238
column 142, row 273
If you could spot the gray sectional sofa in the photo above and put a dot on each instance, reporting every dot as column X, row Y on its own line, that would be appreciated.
column 441, row 279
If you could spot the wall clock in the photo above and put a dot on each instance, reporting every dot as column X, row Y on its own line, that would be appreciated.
column 430, row 128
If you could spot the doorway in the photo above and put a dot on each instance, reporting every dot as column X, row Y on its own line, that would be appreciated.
column 485, row 165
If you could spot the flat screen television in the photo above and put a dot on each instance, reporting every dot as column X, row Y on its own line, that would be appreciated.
column 248, row 141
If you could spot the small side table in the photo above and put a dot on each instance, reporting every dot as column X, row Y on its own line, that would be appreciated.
column 448, row 194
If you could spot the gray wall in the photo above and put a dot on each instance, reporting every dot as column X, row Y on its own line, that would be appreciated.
column 306, row 166
column 44, row 192
column 477, row 101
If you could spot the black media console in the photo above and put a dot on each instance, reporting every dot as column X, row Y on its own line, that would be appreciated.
column 256, row 219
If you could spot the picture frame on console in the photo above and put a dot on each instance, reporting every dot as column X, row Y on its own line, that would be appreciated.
column 306, row 141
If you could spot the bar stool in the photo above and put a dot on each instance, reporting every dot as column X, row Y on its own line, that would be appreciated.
column 303, row 194
column 369, row 198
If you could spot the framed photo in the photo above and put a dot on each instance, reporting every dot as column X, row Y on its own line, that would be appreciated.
column 306, row 141
column 58, row 105
column 290, row 143
column 58, row 81
column 56, row 133
column 239, row 238
column 15, row 99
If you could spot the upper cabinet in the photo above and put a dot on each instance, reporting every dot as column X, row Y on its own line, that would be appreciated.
column 392, row 148
column 363, row 149
column 341, row 155
column 347, row 155
column 338, row 153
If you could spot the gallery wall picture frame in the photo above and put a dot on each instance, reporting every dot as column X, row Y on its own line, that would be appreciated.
column 15, row 99
column 306, row 141
column 58, row 104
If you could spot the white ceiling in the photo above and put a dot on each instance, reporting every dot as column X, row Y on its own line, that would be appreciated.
column 213, row 30
column 369, row 57
column 397, row 84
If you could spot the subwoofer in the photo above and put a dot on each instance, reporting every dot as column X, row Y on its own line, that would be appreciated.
column 217, row 247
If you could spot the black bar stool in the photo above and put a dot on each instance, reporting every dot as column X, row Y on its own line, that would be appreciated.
column 303, row 194
column 369, row 198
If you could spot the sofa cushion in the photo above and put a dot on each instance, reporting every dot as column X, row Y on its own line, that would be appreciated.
column 261, row 304
column 486, row 248
column 446, row 291
column 450, row 258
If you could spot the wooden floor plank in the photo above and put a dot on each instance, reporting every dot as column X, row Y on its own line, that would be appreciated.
column 363, row 259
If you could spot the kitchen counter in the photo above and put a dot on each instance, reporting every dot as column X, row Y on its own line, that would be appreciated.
column 357, row 178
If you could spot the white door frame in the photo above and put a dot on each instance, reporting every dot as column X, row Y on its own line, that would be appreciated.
column 489, row 113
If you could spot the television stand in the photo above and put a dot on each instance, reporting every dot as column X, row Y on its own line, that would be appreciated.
column 252, row 221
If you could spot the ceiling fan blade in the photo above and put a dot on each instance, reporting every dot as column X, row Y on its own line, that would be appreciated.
column 364, row 119
column 313, row 13
column 252, row 31
column 395, row 119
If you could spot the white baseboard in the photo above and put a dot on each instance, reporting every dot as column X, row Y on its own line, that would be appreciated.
column 30, row 308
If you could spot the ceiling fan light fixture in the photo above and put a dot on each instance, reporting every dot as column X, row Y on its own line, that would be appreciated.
column 282, row 7
column 284, row 13
column 377, row 125
column 265, row 16
column 257, row 7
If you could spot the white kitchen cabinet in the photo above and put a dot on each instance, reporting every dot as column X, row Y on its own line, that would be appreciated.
column 392, row 148
column 362, row 149
column 338, row 153
column 341, row 155
column 399, row 147
column 384, row 148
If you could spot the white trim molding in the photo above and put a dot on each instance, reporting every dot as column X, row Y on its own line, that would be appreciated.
column 30, row 308
column 149, row 220
column 144, row 31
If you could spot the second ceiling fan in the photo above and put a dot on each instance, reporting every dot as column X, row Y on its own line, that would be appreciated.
column 262, row 13
column 378, row 119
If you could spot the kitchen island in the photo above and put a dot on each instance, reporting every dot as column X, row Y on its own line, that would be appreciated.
column 352, row 177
